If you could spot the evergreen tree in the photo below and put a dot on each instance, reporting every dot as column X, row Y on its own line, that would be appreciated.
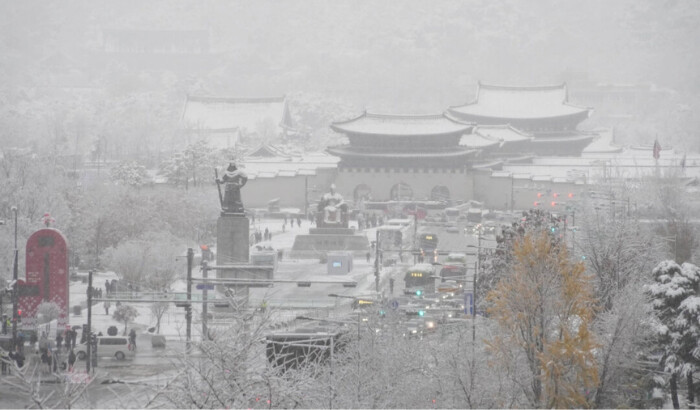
column 677, row 311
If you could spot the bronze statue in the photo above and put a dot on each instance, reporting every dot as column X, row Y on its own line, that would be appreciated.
column 332, row 210
column 234, row 179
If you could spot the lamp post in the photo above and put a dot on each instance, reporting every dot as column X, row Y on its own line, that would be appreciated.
column 15, row 289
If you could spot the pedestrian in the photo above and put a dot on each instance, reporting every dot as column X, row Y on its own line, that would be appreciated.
column 20, row 339
column 72, row 335
column 4, row 324
column 291, row 222
column 59, row 340
column 43, row 343
column 19, row 357
column 299, row 221
column 71, row 360
column 107, row 287
column 368, row 256
column 267, row 234
column 391, row 285
column 107, row 305
column 32, row 341
column 132, row 338
column 3, row 358
column 47, row 358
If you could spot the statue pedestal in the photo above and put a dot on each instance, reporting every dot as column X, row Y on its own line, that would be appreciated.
column 232, row 239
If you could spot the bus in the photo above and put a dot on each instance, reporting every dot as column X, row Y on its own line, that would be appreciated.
column 419, row 279
column 452, row 214
column 390, row 237
column 427, row 241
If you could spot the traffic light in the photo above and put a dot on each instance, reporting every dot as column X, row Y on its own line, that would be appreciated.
column 421, row 313
column 553, row 229
column 419, row 292
column 19, row 315
column 555, row 195
column 93, row 339
column 537, row 203
column 554, row 203
column 539, row 194
column 571, row 195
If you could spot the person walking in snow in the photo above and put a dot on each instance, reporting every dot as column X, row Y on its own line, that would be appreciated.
column 132, row 338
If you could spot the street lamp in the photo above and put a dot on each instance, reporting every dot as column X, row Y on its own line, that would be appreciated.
column 15, row 290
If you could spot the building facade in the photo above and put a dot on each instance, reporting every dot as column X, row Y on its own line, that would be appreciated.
column 542, row 111
column 403, row 158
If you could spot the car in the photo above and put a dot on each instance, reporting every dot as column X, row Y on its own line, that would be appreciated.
column 450, row 286
column 415, row 328
column 108, row 346
column 452, row 229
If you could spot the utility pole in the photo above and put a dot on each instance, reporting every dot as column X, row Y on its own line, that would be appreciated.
column 376, row 263
column 188, row 307
column 476, row 272
column 88, row 359
column 205, row 274
column 15, row 287
column 306, row 196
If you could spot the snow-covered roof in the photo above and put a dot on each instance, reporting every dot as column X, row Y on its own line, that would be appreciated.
column 390, row 124
column 519, row 102
column 268, row 167
column 478, row 141
column 266, row 150
column 226, row 113
column 502, row 133
column 349, row 152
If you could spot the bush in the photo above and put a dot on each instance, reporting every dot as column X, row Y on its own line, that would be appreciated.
column 112, row 331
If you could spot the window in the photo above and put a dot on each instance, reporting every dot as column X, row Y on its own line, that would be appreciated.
column 45, row 241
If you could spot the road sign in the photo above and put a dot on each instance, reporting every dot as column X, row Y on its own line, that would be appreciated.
column 207, row 286
column 394, row 304
column 468, row 303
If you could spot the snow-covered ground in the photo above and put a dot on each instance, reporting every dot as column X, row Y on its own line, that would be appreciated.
column 173, row 322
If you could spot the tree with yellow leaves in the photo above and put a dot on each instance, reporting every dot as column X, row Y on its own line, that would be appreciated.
column 545, row 311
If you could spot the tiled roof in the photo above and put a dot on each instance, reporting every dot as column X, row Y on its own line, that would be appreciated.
column 385, row 124
column 346, row 151
column 478, row 141
column 519, row 102
column 224, row 113
column 501, row 133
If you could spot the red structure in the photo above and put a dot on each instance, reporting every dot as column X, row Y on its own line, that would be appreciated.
column 47, row 275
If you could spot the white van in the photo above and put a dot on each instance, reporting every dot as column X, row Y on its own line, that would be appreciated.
column 108, row 346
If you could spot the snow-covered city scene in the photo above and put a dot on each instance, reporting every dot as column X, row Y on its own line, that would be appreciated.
column 353, row 204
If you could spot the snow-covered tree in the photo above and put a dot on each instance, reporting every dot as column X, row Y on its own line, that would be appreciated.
column 47, row 311
column 158, row 309
column 129, row 173
column 675, row 296
column 149, row 261
column 545, row 310
column 126, row 314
